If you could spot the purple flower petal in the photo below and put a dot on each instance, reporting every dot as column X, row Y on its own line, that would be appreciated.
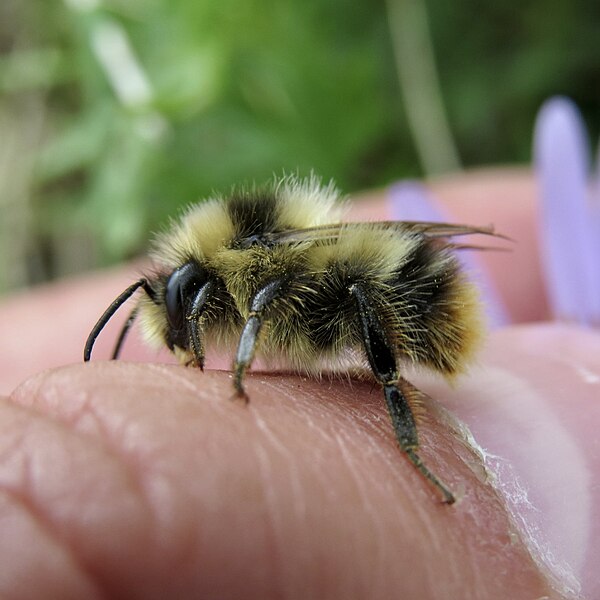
column 410, row 201
column 594, row 210
column 561, row 160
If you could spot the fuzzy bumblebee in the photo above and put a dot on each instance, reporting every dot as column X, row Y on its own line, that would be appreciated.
column 274, row 272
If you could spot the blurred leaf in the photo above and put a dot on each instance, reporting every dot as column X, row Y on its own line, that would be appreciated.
column 237, row 91
column 77, row 144
column 31, row 69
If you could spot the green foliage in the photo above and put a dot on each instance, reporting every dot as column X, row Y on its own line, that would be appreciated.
column 230, row 91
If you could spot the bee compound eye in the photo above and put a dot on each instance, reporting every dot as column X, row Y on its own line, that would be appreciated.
column 182, row 285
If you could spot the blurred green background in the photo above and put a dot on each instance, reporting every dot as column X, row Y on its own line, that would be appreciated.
column 115, row 114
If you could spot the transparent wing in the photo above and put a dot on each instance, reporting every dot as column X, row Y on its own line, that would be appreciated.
column 332, row 232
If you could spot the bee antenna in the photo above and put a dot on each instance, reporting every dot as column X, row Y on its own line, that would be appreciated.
column 108, row 314
column 124, row 331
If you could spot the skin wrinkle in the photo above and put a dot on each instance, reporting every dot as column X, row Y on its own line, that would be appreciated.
column 16, row 437
column 104, row 436
column 273, row 527
column 49, row 531
column 25, row 498
column 276, row 518
column 179, row 375
column 82, row 584
column 381, row 426
column 307, row 408
column 75, row 419
column 376, row 426
column 105, row 439
column 354, row 414
column 168, row 497
column 372, row 552
column 150, row 477
column 150, row 462
column 324, row 484
column 376, row 569
column 108, row 438
column 280, row 447
column 418, row 516
column 477, row 581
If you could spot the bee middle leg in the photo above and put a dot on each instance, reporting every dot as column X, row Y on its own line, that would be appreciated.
column 382, row 360
column 249, row 337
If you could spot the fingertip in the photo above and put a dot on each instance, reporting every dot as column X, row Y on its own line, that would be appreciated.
column 304, row 492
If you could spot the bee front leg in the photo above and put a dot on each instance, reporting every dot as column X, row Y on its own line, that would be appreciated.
column 249, row 338
column 382, row 359
column 193, row 318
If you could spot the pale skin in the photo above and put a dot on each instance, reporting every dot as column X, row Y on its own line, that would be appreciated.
column 132, row 480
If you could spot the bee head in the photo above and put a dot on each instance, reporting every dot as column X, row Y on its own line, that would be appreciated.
column 184, row 292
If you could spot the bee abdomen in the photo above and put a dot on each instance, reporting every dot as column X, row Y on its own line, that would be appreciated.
column 436, row 309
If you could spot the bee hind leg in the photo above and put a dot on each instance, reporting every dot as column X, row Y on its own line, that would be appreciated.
column 382, row 360
column 406, row 432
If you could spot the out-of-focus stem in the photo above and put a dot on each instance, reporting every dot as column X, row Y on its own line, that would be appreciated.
column 20, row 132
column 420, row 87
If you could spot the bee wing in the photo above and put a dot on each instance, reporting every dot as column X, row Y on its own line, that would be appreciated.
column 332, row 232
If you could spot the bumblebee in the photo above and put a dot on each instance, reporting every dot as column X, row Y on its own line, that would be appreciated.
column 276, row 273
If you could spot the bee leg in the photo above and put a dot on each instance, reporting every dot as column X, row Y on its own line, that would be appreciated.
column 194, row 322
column 252, row 327
column 406, row 433
column 382, row 360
